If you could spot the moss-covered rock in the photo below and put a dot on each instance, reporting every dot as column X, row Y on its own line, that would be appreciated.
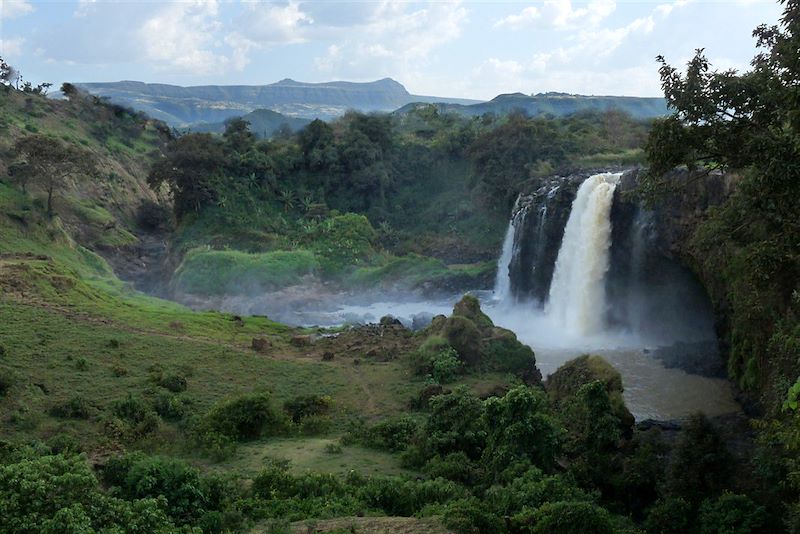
column 568, row 379
column 481, row 344
column 470, row 307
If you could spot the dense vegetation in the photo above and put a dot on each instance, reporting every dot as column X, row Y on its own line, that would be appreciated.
column 123, row 413
column 395, row 195
column 747, row 251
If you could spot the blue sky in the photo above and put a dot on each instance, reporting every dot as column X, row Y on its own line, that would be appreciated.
column 446, row 48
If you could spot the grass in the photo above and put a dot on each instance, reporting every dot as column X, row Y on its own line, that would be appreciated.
column 309, row 454
column 214, row 272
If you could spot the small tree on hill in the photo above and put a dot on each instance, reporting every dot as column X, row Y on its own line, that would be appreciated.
column 49, row 163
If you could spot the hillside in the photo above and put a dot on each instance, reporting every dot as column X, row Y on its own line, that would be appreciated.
column 555, row 104
column 182, row 106
column 263, row 122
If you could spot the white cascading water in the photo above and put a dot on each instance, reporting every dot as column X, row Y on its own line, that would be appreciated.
column 502, row 285
column 577, row 293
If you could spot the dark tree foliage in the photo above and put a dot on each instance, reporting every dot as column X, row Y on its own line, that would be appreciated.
column 505, row 155
column 193, row 168
column 49, row 163
column 701, row 464
column 737, row 120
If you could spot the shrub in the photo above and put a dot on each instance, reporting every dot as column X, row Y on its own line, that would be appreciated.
column 672, row 515
column 700, row 466
column 7, row 380
column 305, row 406
column 169, row 407
column 570, row 517
column 420, row 359
column 392, row 434
column 246, row 417
column 445, row 365
column 731, row 514
column 136, row 417
column 138, row 476
column 471, row 516
column 174, row 383
column 75, row 408
column 81, row 364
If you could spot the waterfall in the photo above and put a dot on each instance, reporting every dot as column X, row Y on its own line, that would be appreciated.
column 577, row 293
column 502, row 285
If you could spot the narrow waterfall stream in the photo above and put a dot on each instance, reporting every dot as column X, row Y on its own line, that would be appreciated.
column 502, row 285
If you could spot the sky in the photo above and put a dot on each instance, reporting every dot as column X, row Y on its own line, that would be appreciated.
column 442, row 48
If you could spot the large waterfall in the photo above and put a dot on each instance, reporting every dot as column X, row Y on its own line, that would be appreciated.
column 577, row 293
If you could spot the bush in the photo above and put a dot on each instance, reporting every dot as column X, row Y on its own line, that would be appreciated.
column 138, row 476
column 246, row 417
column 174, row 383
column 420, row 359
column 75, row 408
column 393, row 434
column 305, row 406
column 445, row 365
column 669, row 516
column 471, row 516
column 731, row 514
column 170, row 407
column 571, row 517
column 7, row 380
column 136, row 417
column 701, row 464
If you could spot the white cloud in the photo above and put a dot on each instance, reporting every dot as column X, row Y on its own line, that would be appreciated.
column 665, row 9
column 14, row 8
column 269, row 24
column 396, row 39
column 11, row 48
column 180, row 36
column 559, row 14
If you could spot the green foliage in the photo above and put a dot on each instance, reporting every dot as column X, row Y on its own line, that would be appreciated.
column 305, row 406
column 672, row 515
column 568, row 517
column 344, row 240
column 137, row 477
column 175, row 383
column 245, row 417
column 519, row 428
column 75, row 408
column 60, row 494
column 216, row 272
column 746, row 251
column 445, row 365
column 731, row 514
column 701, row 464
column 7, row 380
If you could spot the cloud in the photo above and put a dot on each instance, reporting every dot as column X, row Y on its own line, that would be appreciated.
column 395, row 39
column 10, row 9
column 267, row 23
column 11, row 48
column 559, row 14
column 181, row 35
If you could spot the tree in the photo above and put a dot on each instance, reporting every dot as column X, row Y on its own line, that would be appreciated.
column 731, row 120
column 192, row 168
column 49, row 163
column 9, row 76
